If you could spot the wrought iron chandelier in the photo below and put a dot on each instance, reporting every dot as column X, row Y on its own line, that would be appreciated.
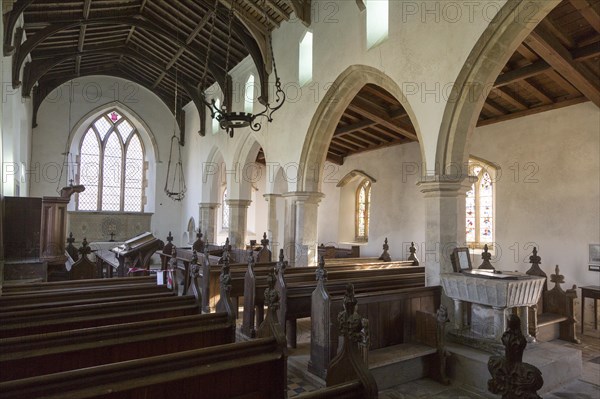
column 229, row 120
column 176, row 189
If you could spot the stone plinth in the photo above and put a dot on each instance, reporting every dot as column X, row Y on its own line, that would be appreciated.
column 490, row 298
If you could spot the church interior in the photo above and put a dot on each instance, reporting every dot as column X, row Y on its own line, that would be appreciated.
column 262, row 199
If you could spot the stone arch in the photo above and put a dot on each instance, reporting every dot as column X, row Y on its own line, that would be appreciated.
column 505, row 33
column 329, row 112
column 244, row 160
column 212, row 176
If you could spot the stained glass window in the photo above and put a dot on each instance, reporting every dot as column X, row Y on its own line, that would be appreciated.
column 111, row 166
column 225, row 211
column 480, row 205
column 363, row 207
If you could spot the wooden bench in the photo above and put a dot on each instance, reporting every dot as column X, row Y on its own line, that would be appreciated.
column 331, row 252
column 45, row 298
column 255, row 282
column 554, row 315
column 38, row 321
column 392, row 315
column 27, row 289
column 257, row 367
column 33, row 355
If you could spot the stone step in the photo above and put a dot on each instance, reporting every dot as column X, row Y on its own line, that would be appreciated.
column 400, row 364
column 559, row 365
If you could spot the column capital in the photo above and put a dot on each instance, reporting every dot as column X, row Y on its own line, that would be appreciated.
column 239, row 203
column 444, row 186
column 268, row 197
column 311, row 197
column 209, row 204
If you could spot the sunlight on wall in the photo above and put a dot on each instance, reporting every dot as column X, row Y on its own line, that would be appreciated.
column 377, row 21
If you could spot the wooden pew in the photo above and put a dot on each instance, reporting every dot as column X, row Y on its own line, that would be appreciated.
column 255, row 283
column 33, row 355
column 296, row 290
column 348, row 375
column 38, row 321
column 83, row 268
column 45, row 298
column 392, row 315
column 554, row 315
column 257, row 367
column 27, row 289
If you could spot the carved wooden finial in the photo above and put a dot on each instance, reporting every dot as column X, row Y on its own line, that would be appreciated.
column 350, row 322
column 557, row 278
column 281, row 257
column 282, row 264
column 194, row 269
column 321, row 272
column 509, row 374
column 385, row 256
column 70, row 239
column 251, row 260
column 265, row 241
column 534, row 258
column 413, row 254
column 225, row 278
column 85, row 249
column 486, row 256
column 198, row 245
column 271, row 294
column 170, row 237
column 199, row 234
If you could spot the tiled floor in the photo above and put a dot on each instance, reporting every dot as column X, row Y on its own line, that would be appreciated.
column 588, row 387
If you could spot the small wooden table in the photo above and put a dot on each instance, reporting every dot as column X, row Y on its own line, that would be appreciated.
column 591, row 291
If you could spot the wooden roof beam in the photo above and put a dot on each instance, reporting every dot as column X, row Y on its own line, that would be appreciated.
column 336, row 159
column 587, row 11
column 302, row 9
column 555, row 54
column 10, row 22
column 534, row 69
column 278, row 10
column 368, row 111
column 344, row 130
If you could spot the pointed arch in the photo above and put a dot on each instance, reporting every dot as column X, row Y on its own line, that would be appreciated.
column 244, row 161
column 511, row 25
column 329, row 112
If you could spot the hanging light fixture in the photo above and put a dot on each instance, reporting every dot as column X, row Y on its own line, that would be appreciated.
column 177, row 188
column 229, row 120
column 69, row 187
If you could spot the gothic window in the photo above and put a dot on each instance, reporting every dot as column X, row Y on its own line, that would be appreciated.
column 249, row 95
column 377, row 21
column 111, row 166
column 363, row 207
column 305, row 59
column 480, row 205
column 224, row 211
column 215, row 123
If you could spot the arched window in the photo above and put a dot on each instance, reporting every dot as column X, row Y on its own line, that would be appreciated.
column 480, row 205
column 305, row 59
column 363, row 205
column 111, row 166
column 377, row 21
column 249, row 95
column 215, row 123
column 224, row 211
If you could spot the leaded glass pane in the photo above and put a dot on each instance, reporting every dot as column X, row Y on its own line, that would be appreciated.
column 486, row 208
column 102, row 126
column 225, row 213
column 114, row 116
column 89, row 159
column 111, row 184
column 362, row 210
column 134, row 175
column 125, row 129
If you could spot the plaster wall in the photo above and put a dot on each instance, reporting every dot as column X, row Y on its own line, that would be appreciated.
column 548, row 189
column 397, row 206
column 94, row 94
column 16, row 134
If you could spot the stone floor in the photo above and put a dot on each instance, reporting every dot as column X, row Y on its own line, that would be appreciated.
column 588, row 387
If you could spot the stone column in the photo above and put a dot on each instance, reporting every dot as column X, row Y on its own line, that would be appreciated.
column 208, row 220
column 273, row 223
column 305, row 206
column 238, row 222
column 445, row 223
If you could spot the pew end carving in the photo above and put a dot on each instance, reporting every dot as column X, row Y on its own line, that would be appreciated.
column 554, row 315
column 385, row 256
column 83, row 268
column 264, row 255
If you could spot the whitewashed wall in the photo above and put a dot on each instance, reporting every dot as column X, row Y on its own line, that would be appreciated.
column 92, row 94
column 548, row 191
column 397, row 207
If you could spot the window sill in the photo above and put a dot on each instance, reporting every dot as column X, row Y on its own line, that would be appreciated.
column 116, row 213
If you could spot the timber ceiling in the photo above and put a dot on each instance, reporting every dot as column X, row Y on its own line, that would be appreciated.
column 151, row 42
column 556, row 66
